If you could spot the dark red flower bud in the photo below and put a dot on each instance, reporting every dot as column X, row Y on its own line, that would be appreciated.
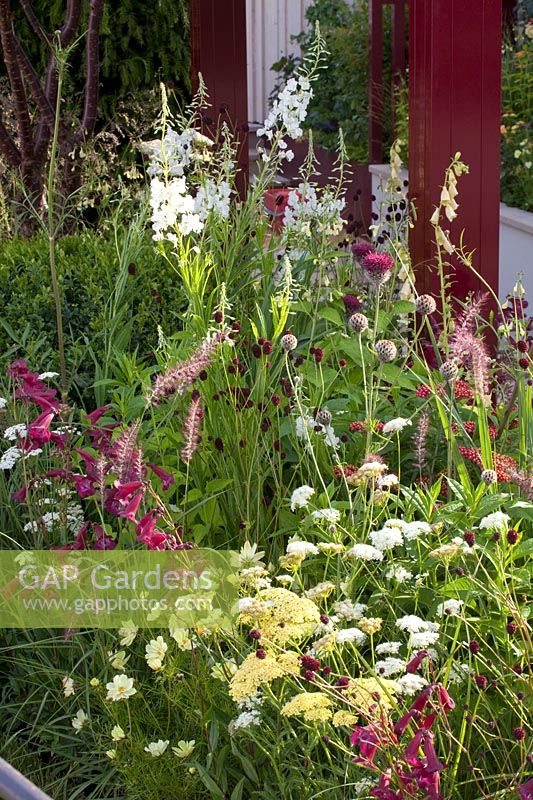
column 260, row 653
column 218, row 317
column 512, row 536
column 255, row 634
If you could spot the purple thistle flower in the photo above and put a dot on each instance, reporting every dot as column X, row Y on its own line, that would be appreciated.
column 362, row 249
column 378, row 267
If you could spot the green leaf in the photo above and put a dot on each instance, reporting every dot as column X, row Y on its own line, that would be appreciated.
column 331, row 314
column 403, row 307
column 237, row 792
column 395, row 376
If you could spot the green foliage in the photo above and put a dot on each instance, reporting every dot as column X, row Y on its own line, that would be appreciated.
column 89, row 268
column 341, row 90
column 517, row 128
column 141, row 44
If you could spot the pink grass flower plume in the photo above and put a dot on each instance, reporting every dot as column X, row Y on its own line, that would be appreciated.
column 377, row 268
column 176, row 380
column 468, row 348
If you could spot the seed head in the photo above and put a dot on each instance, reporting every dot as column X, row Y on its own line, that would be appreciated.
column 449, row 371
column 289, row 342
column 489, row 476
column 323, row 417
column 386, row 350
column 358, row 323
column 425, row 304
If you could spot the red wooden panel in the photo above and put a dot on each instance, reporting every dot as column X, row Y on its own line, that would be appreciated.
column 218, row 51
column 375, row 81
column 455, row 78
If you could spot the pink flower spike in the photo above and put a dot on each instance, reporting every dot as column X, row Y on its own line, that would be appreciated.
column 422, row 700
column 416, row 661
column 133, row 506
column 95, row 415
column 125, row 490
column 166, row 478
column 147, row 524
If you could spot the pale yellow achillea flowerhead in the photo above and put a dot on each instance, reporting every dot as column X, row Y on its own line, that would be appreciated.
column 370, row 696
column 282, row 615
column 254, row 671
column 344, row 719
column 370, row 625
column 312, row 706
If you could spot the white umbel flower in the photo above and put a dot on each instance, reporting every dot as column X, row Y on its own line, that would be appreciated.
column 389, row 666
column 301, row 548
column 352, row 635
column 301, row 496
column 498, row 521
column 330, row 515
column 450, row 608
column 386, row 538
column 396, row 425
column 365, row 552
column 411, row 684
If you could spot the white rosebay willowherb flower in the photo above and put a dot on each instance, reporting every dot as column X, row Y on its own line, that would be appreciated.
column 497, row 521
column 366, row 552
column 289, row 109
column 389, row 666
column 120, row 688
column 156, row 749
column 386, row 538
column 450, row 608
column 396, row 425
column 330, row 515
column 410, row 685
column 351, row 635
column 301, row 496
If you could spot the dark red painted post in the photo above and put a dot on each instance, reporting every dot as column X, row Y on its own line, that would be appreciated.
column 455, row 105
column 218, row 51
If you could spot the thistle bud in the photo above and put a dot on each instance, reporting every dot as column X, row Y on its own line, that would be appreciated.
column 489, row 476
column 358, row 323
column 425, row 304
column 323, row 417
column 386, row 350
column 289, row 342
column 449, row 371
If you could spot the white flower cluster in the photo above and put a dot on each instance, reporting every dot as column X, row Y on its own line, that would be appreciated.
column 51, row 519
column 389, row 666
column 331, row 515
column 422, row 633
column 386, row 538
column 398, row 574
column 301, row 548
column 3, row 402
column 450, row 608
column 289, row 110
column 10, row 458
column 306, row 213
column 365, row 552
column 250, row 714
column 497, row 521
column 15, row 432
column 411, row 684
column 176, row 152
column 388, row 647
column 352, row 635
column 345, row 609
column 396, row 425
column 301, row 496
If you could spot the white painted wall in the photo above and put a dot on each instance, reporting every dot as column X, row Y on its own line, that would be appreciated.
column 516, row 237
column 269, row 26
